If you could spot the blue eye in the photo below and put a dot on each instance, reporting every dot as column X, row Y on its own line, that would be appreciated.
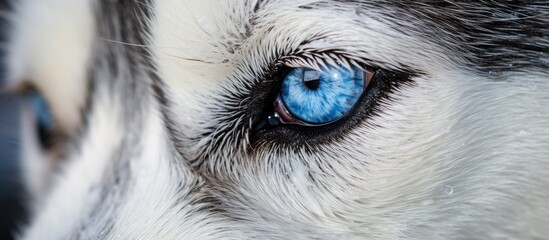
column 311, row 97
column 43, row 115
column 44, row 118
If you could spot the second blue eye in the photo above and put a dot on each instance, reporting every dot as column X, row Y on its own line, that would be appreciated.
column 320, row 97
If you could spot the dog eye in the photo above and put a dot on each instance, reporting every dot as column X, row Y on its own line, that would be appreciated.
column 310, row 97
column 44, row 118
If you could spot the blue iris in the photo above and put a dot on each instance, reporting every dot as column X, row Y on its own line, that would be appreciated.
column 320, row 97
column 43, row 115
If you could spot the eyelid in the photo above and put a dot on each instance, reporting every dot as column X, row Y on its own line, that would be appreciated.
column 281, row 115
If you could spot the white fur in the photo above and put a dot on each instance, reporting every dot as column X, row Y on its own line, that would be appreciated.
column 393, row 180
column 455, row 156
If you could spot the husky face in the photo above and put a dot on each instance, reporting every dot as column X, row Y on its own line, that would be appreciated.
column 161, row 103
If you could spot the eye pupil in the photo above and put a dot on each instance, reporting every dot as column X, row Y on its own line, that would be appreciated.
column 312, row 84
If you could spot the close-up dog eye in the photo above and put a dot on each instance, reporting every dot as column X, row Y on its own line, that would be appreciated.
column 274, row 119
column 312, row 106
column 311, row 97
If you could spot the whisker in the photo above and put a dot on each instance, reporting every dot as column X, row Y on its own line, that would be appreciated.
column 124, row 43
column 192, row 59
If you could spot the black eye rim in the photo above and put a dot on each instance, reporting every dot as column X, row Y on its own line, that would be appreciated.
column 382, row 85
